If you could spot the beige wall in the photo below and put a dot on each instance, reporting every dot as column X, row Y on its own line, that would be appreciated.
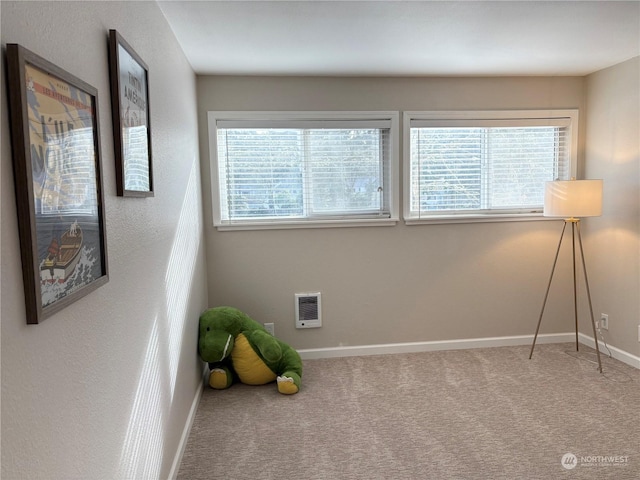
column 613, row 240
column 103, row 388
column 389, row 284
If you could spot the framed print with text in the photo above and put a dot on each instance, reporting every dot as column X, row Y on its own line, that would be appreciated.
column 130, row 113
column 58, row 182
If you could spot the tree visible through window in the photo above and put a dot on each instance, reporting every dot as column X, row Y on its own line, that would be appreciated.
column 470, row 166
column 272, row 171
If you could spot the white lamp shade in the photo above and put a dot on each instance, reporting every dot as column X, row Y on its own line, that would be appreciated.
column 573, row 198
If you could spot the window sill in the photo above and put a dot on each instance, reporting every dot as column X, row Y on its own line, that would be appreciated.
column 479, row 218
column 296, row 224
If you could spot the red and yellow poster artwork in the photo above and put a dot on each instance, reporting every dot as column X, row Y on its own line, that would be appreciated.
column 61, row 120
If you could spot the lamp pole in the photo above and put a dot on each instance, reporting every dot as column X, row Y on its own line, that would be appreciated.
column 575, row 226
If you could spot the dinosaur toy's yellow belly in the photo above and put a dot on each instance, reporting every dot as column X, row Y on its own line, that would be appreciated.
column 248, row 365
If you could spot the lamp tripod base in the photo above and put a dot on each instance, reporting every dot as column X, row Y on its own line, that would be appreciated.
column 575, row 227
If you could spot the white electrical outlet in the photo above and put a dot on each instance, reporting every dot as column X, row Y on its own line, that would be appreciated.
column 639, row 333
column 271, row 328
column 604, row 321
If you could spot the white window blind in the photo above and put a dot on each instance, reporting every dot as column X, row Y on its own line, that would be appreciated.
column 279, row 170
column 485, row 166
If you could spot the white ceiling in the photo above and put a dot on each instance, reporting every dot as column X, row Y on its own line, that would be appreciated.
column 404, row 37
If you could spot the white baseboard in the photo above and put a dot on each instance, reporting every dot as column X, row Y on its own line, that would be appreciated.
column 187, row 428
column 412, row 347
column 616, row 353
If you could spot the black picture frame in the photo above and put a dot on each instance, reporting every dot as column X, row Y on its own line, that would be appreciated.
column 58, row 181
column 129, row 78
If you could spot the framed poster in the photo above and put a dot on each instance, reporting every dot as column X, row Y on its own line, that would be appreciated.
column 58, row 182
column 130, row 113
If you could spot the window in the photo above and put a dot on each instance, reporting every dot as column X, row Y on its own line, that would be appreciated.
column 484, row 166
column 292, row 169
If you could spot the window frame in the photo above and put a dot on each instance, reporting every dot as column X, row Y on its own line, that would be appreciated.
column 474, row 116
column 307, row 116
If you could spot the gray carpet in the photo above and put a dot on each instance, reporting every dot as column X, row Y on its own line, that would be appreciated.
column 467, row 414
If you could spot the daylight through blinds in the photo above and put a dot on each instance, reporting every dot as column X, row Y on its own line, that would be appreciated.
column 464, row 167
column 325, row 170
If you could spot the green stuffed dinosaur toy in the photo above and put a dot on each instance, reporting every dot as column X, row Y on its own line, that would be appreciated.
column 235, row 346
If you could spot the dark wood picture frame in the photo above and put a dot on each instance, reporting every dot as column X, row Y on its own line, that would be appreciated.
column 58, row 181
column 129, row 77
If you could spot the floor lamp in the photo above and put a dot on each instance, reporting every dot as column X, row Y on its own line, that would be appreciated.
column 572, row 200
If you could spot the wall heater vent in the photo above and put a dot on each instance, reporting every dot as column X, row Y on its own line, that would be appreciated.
column 308, row 310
